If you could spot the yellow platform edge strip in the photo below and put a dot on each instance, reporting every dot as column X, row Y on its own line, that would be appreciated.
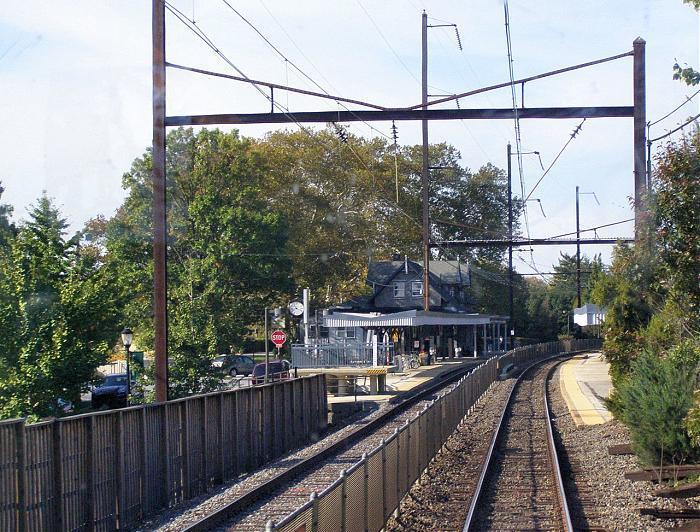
column 582, row 410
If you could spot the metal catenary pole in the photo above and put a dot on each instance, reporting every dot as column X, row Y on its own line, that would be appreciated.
column 160, row 287
column 640, row 118
column 425, row 179
column 510, row 237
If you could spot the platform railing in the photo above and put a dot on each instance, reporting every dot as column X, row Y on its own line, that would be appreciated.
column 346, row 354
column 367, row 493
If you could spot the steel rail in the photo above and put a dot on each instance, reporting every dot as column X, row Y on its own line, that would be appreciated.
column 243, row 502
column 498, row 432
column 554, row 458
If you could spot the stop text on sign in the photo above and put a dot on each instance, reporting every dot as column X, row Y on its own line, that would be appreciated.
column 278, row 338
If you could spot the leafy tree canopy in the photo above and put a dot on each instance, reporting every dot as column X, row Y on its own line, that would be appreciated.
column 226, row 251
column 57, row 317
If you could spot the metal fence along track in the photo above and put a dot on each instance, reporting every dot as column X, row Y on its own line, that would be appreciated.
column 108, row 470
column 367, row 493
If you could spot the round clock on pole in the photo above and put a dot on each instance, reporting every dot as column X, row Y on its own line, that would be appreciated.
column 296, row 308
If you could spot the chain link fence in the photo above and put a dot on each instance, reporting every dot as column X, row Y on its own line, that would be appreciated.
column 367, row 493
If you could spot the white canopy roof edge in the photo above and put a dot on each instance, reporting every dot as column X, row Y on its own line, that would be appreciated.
column 408, row 318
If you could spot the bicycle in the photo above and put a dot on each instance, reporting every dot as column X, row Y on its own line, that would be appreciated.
column 410, row 361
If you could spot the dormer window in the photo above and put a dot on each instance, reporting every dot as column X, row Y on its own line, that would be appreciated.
column 399, row 290
column 417, row 288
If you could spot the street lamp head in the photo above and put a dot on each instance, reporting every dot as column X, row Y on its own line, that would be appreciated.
column 127, row 337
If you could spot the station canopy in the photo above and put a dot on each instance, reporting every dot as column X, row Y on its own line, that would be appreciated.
column 408, row 318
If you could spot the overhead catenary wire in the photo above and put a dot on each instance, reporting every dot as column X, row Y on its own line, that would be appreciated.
column 591, row 228
column 386, row 41
column 685, row 124
column 205, row 38
column 294, row 65
column 688, row 99
column 516, row 119
column 200, row 33
column 575, row 132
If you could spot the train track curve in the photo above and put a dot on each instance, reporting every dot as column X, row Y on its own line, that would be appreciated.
column 520, row 484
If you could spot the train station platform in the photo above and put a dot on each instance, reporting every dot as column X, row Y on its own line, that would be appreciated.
column 585, row 384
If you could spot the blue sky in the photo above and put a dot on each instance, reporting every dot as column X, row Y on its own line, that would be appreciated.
column 75, row 90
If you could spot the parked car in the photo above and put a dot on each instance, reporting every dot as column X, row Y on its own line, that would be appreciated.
column 278, row 370
column 111, row 392
column 234, row 365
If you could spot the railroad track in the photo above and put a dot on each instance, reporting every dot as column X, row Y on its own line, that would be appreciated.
column 278, row 496
column 520, row 486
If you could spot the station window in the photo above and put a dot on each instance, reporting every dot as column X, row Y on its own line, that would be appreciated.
column 399, row 289
column 417, row 288
column 346, row 332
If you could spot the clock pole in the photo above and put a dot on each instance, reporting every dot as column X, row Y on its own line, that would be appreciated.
column 305, row 294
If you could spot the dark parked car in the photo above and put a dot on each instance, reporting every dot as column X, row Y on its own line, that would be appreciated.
column 234, row 364
column 111, row 392
column 278, row 370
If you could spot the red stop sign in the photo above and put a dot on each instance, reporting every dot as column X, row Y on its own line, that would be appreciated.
column 278, row 338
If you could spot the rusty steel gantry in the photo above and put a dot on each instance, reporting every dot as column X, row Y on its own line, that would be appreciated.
column 420, row 111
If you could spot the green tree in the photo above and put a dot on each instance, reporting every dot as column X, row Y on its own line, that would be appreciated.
column 687, row 74
column 676, row 208
column 653, row 402
column 7, row 228
column 57, row 317
column 340, row 202
column 227, row 254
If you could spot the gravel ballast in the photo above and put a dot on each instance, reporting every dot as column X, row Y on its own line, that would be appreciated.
column 599, row 494
column 440, row 498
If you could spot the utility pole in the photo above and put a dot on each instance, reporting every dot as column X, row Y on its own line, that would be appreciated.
column 160, row 276
column 578, row 254
column 510, row 239
column 425, row 179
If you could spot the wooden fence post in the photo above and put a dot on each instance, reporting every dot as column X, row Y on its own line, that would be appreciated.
column 90, row 473
column 165, row 453
column 205, row 443
column 121, row 483
column 184, row 411
column 222, row 445
column 57, row 476
column 145, row 497
column 20, row 441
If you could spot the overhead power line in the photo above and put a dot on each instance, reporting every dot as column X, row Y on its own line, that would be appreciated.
column 386, row 41
column 688, row 99
column 688, row 122
column 294, row 65
column 575, row 132
column 518, row 142
column 592, row 228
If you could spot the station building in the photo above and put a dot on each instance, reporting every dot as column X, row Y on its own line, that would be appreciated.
column 373, row 330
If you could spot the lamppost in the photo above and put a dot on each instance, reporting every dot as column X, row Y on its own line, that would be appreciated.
column 568, row 332
column 127, row 338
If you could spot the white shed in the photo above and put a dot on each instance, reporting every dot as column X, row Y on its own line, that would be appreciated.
column 588, row 315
